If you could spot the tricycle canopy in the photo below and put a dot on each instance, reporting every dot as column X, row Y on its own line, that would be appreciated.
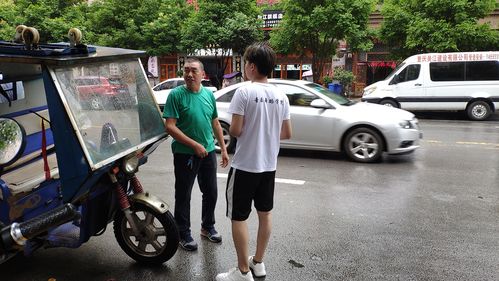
column 96, row 102
column 76, row 123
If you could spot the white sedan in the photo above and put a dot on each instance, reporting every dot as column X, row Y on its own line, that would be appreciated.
column 322, row 120
column 162, row 90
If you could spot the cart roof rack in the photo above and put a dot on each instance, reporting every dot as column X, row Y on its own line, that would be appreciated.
column 62, row 53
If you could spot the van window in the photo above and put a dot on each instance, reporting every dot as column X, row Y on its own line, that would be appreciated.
column 395, row 71
column 447, row 71
column 482, row 70
column 411, row 72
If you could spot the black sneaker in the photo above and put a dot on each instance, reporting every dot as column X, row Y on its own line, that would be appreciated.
column 188, row 244
column 211, row 235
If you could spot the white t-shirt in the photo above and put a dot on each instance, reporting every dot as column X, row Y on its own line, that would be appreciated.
column 264, row 107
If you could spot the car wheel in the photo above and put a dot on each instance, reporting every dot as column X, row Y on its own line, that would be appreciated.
column 363, row 145
column 478, row 110
column 230, row 141
column 389, row 103
column 95, row 102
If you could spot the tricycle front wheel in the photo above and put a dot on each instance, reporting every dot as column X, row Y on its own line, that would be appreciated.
column 158, row 239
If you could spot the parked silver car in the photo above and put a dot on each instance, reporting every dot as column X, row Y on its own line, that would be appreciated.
column 162, row 90
column 322, row 120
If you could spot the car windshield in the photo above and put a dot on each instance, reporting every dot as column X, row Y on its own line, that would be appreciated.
column 115, row 81
column 394, row 71
column 337, row 98
column 110, row 120
column 206, row 83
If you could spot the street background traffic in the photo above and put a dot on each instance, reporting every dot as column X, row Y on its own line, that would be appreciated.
column 430, row 215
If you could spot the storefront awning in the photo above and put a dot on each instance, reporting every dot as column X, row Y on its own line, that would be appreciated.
column 375, row 64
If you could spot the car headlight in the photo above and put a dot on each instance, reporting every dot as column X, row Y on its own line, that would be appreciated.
column 131, row 164
column 406, row 124
column 368, row 91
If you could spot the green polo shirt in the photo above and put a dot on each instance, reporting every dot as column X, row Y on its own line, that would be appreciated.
column 194, row 112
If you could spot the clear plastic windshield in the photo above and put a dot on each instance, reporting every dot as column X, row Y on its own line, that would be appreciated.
column 112, row 106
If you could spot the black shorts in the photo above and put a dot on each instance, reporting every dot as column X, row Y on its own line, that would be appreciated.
column 244, row 187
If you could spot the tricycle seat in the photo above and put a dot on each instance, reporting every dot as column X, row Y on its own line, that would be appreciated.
column 31, row 175
column 28, row 172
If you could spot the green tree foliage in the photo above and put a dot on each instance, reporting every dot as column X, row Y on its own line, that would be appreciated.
column 412, row 27
column 77, row 17
column 120, row 23
column 162, row 34
column 8, row 19
column 151, row 25
column 220, row 26
column 345, row 78
column 274, row 6
column 48, row 16
column 8, row 134
column 317, row 26
column 326, row 79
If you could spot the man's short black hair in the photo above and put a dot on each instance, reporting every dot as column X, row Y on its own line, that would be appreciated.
column 262, row 55
column 194, row 60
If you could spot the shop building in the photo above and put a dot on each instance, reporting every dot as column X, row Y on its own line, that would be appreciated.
column 368, row 67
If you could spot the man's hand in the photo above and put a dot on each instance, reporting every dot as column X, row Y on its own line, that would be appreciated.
column 225, row 159
column 200, row 151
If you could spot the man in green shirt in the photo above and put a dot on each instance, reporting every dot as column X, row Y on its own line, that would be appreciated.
column 192, row 120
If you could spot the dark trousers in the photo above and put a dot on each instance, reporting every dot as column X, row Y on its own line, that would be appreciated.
column 187, row 167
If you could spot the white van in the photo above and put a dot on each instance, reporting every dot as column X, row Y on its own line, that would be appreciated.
column 442, row 81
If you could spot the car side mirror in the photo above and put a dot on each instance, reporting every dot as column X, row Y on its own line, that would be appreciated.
column 320, row 103
column 12, row 141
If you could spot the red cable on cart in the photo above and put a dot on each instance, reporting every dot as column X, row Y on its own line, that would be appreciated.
column 44, row 152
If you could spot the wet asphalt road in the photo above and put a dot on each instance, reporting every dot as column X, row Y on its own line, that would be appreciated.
column 430, row 215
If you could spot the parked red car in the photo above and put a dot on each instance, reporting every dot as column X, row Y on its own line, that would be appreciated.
column 97, row 92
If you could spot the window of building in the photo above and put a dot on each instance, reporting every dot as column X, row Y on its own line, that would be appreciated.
column 277, row 72
column 293, row 71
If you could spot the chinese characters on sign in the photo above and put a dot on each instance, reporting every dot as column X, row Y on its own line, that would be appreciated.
column 114, row 69
column 152, row 65
column 271, row 18
column 456, row 57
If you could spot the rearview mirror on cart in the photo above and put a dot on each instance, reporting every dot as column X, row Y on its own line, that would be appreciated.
column 12, row 141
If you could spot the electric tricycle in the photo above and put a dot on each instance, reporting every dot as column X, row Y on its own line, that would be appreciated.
column 76, row 122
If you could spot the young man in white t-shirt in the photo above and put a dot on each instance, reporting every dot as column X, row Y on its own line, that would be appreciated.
column 260, row 119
